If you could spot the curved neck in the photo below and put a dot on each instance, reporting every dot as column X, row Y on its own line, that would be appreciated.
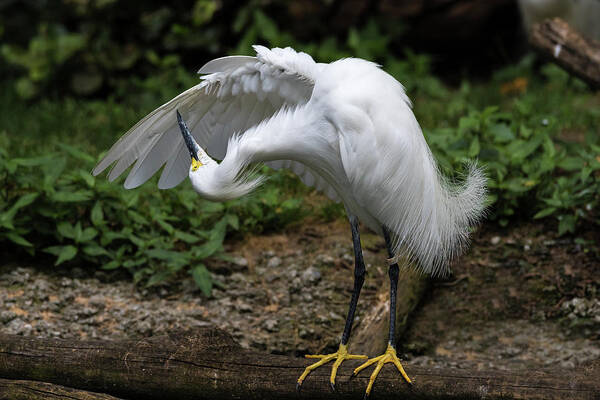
column 279, row 137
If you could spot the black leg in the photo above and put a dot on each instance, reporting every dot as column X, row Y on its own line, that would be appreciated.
column 393, row 273
column 359, row 278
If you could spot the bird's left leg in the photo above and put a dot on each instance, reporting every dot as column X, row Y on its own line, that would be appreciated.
column 390, row 354
column 342, row 353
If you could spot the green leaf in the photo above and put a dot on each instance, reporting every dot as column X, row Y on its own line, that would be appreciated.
column 18, row 239
column 76, row 153
column 24, row 201
column 94, row 250
column 137, row 217
column 64, row 253
column 35, row 161
column 187, row 237
column 78, row 232
column 571, row 163
column 210, row 207
column 158, row 278
column 87, row 177
column 203, row 279
column 517, row 185
column 544, row 213
column 96, row 215
column 566, row 224
column 165, row 225
column 52, row 172
column 6, row 218
column 66, row 229
column 208, row 249
column 501, row 133
column 233, row 221
column 114, row 264
column 474, row 147
column 520, row 149
column 88, row 234
column 72, row 197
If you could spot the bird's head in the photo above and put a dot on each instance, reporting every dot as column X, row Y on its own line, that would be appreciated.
column 202, row 166
column 216, row 182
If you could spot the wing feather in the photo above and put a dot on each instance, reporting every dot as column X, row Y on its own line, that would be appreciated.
column 225, row 64
column 239, row 92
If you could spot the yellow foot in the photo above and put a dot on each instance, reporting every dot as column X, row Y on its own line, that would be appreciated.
column 388, row 357
column 339, row 356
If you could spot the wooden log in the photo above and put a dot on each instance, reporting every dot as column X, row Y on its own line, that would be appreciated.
column 32, row 390
column 555, row 39
column 371, row 335
column 208, row 364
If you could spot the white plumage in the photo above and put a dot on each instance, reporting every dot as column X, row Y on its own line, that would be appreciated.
column 345, row 128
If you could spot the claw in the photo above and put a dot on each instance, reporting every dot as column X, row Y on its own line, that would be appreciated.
column 298, row 386
column 339, row 356
column 388, row 357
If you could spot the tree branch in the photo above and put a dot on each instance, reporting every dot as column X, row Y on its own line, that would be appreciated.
column 556, row 39
column 207, row 363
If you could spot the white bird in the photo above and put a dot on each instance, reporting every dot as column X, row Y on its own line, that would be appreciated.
column 345, row 128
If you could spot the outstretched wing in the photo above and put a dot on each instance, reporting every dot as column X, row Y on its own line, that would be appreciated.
column 236, row 93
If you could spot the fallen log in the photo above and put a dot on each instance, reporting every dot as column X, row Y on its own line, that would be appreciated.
column 207, row 363
column 554, row 38
column 32, row 390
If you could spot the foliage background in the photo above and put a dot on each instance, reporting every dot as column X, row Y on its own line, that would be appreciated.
column 76, row 74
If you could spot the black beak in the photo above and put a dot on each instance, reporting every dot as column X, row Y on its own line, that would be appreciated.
column 188, row 138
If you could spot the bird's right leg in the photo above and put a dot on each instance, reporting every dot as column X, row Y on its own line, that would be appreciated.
column 342, row 353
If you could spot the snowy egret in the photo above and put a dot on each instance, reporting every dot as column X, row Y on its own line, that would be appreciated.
column 345, row 128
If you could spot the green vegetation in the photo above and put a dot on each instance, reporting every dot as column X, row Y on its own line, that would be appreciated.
column 535, row 132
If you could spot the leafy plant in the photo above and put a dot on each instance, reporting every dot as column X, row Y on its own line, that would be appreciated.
column 52, row 203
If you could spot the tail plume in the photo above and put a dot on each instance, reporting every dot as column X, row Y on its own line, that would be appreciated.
column 444, row 222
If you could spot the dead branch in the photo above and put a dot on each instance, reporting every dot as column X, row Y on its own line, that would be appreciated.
column 556, row 39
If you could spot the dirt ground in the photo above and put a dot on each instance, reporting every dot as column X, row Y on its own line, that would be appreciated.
column 520, row 298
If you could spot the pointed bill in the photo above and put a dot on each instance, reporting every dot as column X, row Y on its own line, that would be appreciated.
column 191, row 144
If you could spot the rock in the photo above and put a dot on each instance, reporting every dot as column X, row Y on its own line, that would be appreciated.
column 240, row 261
column 271, row 325
column 311, row 276
column 244, row 307
column 66, row 282
column 98, row 301
column 495, row 240
column 274, row 262
column 7, row 316
column 325, row 260
column 19, row 327
column 41, row 285
column 268, row 253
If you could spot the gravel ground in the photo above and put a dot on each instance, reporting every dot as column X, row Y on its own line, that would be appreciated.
column 280, row 301
column 287, row 294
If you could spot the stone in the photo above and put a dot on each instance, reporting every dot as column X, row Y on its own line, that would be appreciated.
column 274, row 262
column 311, row 275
